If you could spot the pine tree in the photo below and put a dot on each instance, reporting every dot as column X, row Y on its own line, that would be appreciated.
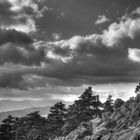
column 29, row 126
column 82, row 110
column 89, row 104
column 137, row 90
column 56, row 119
column 6, row 128
column 108, row 105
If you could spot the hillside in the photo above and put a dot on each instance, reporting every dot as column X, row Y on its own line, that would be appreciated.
column 83, row 120
column 122, row 124
column 20, row 113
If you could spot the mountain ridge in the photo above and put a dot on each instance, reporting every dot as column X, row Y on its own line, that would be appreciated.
column 44, row 110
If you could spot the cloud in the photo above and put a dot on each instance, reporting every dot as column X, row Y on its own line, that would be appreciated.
column 96, row 58
column 101, row 19
column 137, row 11
column 27, row 27
column 128, row 28
column 5, row 13
column 11, row 53
column 12, row 80
column 13, row 36
column 55, row 49
column 20, row 99
column 20, row 15
column 56, row 36
column 17, row 48
column 134, row 54
column 91, row 59
column 67, row 98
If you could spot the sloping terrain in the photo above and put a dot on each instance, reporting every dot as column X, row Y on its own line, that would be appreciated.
column 122, row 124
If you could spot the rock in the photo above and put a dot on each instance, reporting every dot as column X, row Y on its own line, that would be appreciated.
column 106, row 116
column 129, row 134
column 85, row 129
column 137, row 99
column 136, row 136
column 117, row 115
column 110, row 124
column 95, row 122
column 107, row 137
column 120, row 113
column 100, row 133
column 87, row 138
column 136, row 113
column 118, row 103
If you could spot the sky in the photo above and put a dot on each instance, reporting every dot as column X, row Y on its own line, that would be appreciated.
column 52, row 50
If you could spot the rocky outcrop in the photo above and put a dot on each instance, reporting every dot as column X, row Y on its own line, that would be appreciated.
column 118, row 103
column 122, row 124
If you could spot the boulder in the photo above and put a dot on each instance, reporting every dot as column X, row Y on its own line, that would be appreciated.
column 118, row 103
column 120, row 113
column 85, row 129
column 106, row 116
column 95, row 122
column 129, row 134
column 87, row 138
column 100, row 133
column 110, row 124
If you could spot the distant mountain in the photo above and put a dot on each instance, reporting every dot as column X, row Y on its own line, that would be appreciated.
column 20, row 113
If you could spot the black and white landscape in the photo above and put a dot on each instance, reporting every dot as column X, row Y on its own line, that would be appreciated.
column 71, row 60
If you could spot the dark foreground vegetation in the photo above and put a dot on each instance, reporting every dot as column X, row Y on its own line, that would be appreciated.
column 76, row 122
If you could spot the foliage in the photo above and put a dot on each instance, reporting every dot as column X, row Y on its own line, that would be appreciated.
column 7, row 128
column 56, row 119
column 28, row 127
column 137, row 90
column 108, row 105
column 82, row 110
column 31, row 122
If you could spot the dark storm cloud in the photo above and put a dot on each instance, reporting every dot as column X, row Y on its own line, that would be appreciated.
column 12, row 80
column 13, row 36
column 4, row 7
column 12, row 53
column 5, row 13
column 17, row 47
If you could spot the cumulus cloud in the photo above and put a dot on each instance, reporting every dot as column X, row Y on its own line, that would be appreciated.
column 137, row 11
column 130, row 28
column 101, row 19
column 20, row 15
column 27, row 27
column 134, row 54
column 56, row 36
